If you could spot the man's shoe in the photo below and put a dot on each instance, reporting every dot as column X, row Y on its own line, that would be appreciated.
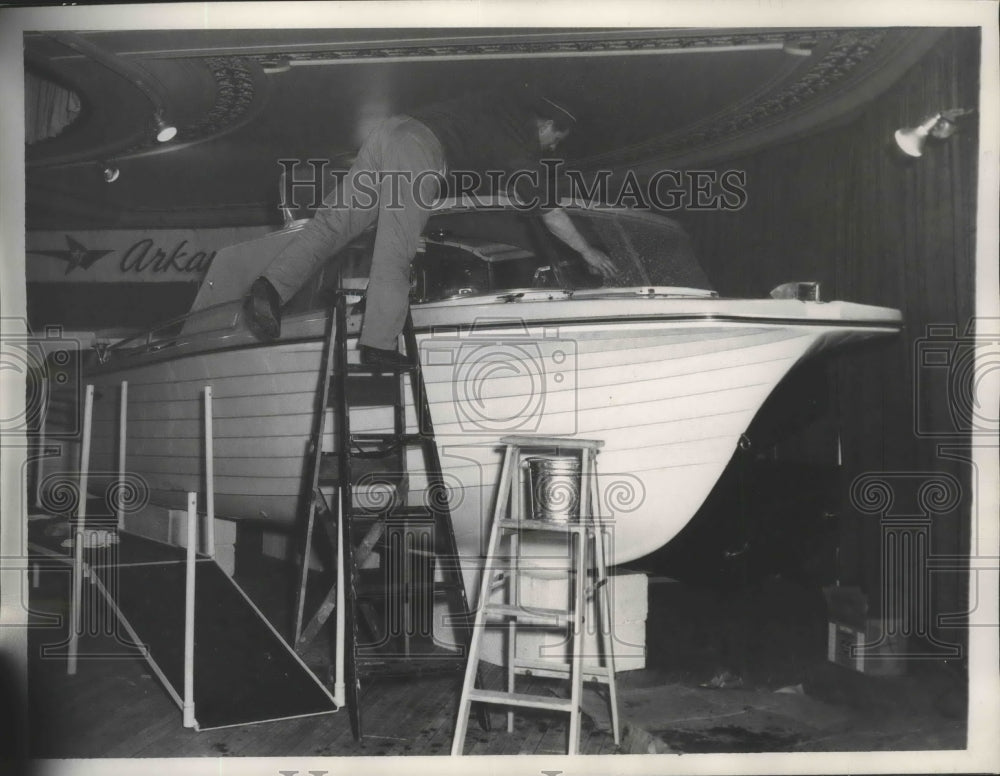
column 377, row 357
column 262, row 310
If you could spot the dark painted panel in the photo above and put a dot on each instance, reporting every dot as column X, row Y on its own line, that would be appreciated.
column 92, row 306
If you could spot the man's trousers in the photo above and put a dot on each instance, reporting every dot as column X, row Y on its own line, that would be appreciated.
column 394, row 180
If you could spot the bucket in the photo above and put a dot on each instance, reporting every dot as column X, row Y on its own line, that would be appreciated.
column 553, row 488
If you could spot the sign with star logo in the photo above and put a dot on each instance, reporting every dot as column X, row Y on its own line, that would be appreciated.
column 118, row 256
column 75, row 255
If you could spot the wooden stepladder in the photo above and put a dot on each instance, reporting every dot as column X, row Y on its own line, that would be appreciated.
column 587, row 579
column 399, row 559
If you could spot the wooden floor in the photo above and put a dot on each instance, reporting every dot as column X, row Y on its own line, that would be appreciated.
column 115, row 707
column 771, row 637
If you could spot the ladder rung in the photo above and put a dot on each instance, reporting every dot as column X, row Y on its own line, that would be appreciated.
column 428, row 663
column 442, row 588
column 546, row 616
column 555, row 670
column 369, row 391
column 399, row 514
column 361, row 468
column 364, row 369
column 560, row 442
column 543, row 525
column 359, row 517
column 383, row 439
column 433, row 554
column 383, row 589
column 520, row 699
column 423, row 553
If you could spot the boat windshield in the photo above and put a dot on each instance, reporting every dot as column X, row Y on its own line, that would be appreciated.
column 487, row 252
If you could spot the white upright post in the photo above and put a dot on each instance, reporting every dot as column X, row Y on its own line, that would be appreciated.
column 122, row 420
column 192, row 541
column 76, row 599
column 339, row 687
column 209, row 540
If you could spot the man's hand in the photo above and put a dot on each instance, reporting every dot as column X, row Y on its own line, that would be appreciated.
column 599, row 264
column 559, row 223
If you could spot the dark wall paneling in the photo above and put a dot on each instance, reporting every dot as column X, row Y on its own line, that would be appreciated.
column 847, row 209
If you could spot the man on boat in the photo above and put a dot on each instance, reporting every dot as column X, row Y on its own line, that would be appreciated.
column 494, row 137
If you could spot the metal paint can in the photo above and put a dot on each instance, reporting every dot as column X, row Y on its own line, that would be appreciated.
column 553, row 488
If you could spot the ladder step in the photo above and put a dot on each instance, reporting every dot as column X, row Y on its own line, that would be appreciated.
column 397, row 515
column 369, row 391
column 543, row 525
column 395, row 440
column 520, row 699
column 361, row 471
column 556, row 617
column 432, row 554
column 364, row 369
column 559, row 442
column 376, row 591
column 555, row 670
column 427, row 663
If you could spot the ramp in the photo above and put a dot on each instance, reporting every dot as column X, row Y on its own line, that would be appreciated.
column 244, row 672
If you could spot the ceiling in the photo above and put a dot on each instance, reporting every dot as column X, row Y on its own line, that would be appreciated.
column 243, row 99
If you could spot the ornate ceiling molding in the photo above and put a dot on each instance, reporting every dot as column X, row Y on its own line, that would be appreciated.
column 848, row 53
column 238, row 89
column 802, row 81
column 852, row 67
column 240, row 93
column 592, row 44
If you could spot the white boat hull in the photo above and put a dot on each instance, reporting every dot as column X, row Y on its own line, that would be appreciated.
column 668, row 402
column 669, row 385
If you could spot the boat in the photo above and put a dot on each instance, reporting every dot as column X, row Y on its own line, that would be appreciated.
column 515, row 337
